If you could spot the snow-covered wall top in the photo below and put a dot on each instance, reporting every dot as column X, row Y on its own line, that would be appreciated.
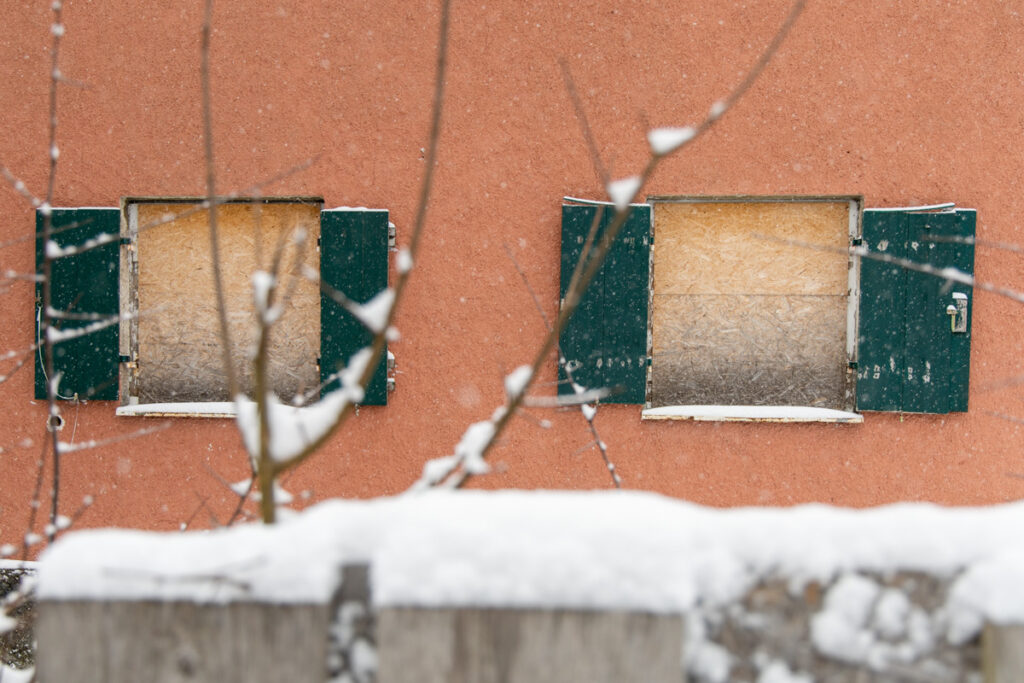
column 618, row 550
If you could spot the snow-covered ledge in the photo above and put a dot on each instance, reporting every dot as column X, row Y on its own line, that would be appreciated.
column 206, row 409
column 751, row 414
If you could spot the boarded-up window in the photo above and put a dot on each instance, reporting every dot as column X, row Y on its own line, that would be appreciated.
column 173, row 343
column 743, row 312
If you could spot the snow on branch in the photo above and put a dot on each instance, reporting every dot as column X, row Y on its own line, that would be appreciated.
column 55, row 336
column 667, row 140
column 55, row 251
column 517, row 381
column 294, row 428
column 375, row 312
column 468, row 456
column 623, row 190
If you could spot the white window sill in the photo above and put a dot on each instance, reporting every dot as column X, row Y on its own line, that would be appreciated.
column 212, row 409
column 750, row 414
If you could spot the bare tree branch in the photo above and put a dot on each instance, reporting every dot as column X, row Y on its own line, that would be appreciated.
column 407, row 257
column 57, row 33
column 621, row 195
column 584, row 123
column 589, row 412
column 211, row 197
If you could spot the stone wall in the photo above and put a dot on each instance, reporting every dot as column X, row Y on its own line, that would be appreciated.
column 16, row 645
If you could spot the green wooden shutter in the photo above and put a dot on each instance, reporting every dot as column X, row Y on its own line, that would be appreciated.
column 909, row 357
column 354, row 261
column 605, row 341
column 82, row 283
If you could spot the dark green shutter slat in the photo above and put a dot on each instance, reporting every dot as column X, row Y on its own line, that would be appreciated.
column 938, row 362
column 606, row 339
column 354, row 261
column 960, row 345
column 881, row 336
column 932, row 363
column 927, row 363
column 83, row 283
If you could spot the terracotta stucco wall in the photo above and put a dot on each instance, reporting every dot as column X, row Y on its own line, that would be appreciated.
column 903, row 102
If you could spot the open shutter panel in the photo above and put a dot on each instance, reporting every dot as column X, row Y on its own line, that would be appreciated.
column 82, row 283
column 605, row 341
column 915, row 328
column 354, row 261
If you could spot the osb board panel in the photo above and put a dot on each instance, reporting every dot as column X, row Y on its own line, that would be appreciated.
column 735, row 248
column 179, row 335
column 741, row 318
column 749, row 350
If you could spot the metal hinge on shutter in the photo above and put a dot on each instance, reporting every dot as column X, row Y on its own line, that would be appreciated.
column 391, row 372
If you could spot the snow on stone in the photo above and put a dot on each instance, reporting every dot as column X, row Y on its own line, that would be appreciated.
column 863, row 624
column 892, row 614
column 9, row 675
column 7, row 624
column 374, row 313
column 665, row 140
column 290, row 562
column 839, row 630
column 990, row 589
column 585, row 550
column 778, row 671
column 516, row 381
column 703, row 659
column 622, row 191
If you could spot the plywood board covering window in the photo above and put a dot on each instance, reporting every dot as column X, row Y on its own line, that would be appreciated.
column 177, row 348
column 740, row 316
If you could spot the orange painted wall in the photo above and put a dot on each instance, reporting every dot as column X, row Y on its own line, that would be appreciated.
column 903, row 102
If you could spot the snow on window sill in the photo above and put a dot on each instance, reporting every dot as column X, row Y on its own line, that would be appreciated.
column 211, row 409
column 750, row 414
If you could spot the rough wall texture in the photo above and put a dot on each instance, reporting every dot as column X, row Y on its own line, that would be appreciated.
column 17, row 648
column 902, row 102
column 898, row 634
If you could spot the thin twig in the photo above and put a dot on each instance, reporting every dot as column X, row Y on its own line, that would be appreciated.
column 18, row 365
column 53, row 414
column 211, row 197
column 584, row 123
column 66, row 448
column 985, row 244
column 945, row 273
column 19, row 186
column 589, row 412
column 377, row 346
column 34, row 503
column 1003, row 416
